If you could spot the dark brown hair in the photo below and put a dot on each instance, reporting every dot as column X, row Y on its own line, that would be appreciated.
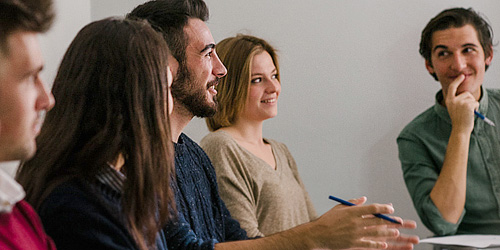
column 111, row 95
column 236, row 53
column 170, row 17
column 456, row 18
column 26, row 15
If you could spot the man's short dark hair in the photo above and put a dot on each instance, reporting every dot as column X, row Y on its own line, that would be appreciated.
column 456, row 18
column 25, row 15
column 170, row 17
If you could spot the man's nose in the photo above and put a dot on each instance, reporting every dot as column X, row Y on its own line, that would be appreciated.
column 45, row 99
column 459, row 63
column 218, row 67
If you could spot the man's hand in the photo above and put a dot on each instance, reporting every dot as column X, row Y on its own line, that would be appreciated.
column 356, row 227
column 460, row 107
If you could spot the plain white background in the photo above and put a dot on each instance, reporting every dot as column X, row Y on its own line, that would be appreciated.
column 352, row 78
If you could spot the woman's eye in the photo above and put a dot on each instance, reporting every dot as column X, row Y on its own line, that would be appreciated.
column 256, row 80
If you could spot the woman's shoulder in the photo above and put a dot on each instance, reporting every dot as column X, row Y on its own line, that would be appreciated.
column 217, row 139
column 71, row 193
column 276, row 144
column 69, row 190
column 75, row 212
column 78, row 197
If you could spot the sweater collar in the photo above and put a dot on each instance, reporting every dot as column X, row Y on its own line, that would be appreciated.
column 109, row 176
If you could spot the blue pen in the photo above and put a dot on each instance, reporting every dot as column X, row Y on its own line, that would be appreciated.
column 484, row 118
column 381, row 216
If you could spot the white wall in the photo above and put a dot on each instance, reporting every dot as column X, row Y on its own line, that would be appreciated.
column 351, row 75
column 71, row 16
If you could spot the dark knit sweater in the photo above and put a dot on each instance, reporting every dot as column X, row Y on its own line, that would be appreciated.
column 203, row 218
column 79, row 215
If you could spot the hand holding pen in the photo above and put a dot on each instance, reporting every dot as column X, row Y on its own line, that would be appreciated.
column 381, row 216
column 463, row 98
column 355, row 226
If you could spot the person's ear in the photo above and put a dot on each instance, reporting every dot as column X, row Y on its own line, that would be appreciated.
column 428, row 66
column 174, row 66
column 488, row 59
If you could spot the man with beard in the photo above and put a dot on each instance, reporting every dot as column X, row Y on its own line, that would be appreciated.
column 203, row 220
column 23, row 101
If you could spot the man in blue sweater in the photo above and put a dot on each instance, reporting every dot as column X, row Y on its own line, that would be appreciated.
column 204, row 221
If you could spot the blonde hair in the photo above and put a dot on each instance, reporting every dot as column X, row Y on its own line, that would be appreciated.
column 236, row 53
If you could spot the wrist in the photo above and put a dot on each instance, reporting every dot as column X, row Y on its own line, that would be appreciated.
column 311, row 234
column 461, row 132
column 300, row 237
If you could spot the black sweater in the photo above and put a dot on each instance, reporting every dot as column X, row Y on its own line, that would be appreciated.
column 79, row 215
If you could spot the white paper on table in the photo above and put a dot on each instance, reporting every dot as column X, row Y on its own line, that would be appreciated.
column 470, row 240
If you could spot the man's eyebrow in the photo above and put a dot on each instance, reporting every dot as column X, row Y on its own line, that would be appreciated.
column 209, row 46
column 439, row 47
column 470, row 45
column 463, row 46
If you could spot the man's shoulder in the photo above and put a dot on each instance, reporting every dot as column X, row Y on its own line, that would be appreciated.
column 189, row 143
column 422, row 120
column 493, row 93
column 186, row 139
column 190, row 150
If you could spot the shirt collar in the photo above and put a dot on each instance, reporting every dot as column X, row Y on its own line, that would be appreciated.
column 443, row 112
column 109, row 176
column 11, row 192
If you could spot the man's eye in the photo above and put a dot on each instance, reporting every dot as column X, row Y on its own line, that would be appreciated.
column 443, row 53
column 467, row 50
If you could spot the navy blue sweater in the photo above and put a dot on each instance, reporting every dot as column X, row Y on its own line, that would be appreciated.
column 203, row 217
column 78, row 215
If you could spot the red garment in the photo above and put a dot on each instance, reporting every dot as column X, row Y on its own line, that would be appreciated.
column 22, row 229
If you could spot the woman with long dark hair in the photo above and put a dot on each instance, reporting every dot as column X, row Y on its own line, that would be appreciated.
column 101, row 176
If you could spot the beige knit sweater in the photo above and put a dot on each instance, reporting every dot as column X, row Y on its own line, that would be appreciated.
column 262, row 199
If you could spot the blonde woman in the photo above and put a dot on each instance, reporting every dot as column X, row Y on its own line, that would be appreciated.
column 258, row 178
